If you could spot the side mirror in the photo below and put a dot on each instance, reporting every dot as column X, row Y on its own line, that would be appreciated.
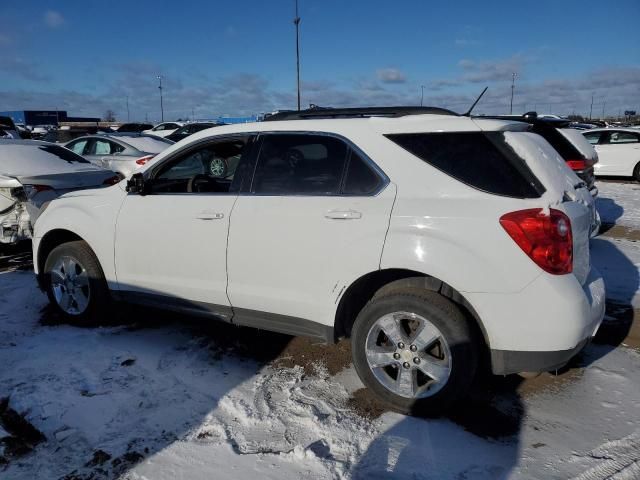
column 136, row 184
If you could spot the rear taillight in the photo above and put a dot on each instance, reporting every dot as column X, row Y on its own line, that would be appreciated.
column 145, row 159
column 577, row 165
column 545, row 238
column 112, row 180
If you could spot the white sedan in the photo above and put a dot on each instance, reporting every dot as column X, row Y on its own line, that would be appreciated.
column 618, row 151
column 164, row 129
column 33, row 173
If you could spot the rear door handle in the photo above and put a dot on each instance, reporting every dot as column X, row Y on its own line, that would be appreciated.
column 343, row 215
column 207, row 215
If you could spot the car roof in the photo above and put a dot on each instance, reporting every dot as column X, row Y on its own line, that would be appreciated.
column 613, row 129
column 131, row 140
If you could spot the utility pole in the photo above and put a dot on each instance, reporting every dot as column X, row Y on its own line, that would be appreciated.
column 161, row 106
column 604, row 102
column 422, row 95
column 128, row 108
column 591, row 108
column 296, row 22
column 513, row 86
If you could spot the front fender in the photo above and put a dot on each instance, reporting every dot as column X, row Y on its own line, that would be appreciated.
column 92, row 218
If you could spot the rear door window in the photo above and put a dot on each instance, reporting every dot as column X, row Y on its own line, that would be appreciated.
column 482, row 160
column 623, row 137
column 300, row 164
column 360, row 179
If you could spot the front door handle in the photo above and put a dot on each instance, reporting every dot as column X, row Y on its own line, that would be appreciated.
column 207, row 215
column 343, row 215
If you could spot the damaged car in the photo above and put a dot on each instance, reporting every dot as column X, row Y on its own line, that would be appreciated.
column 32, row 173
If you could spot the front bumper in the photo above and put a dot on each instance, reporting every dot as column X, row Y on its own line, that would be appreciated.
column 543, row 326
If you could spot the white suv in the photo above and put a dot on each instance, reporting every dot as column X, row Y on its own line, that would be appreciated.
column 437, row 243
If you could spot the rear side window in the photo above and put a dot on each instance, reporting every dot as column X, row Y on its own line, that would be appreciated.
column 482, row 160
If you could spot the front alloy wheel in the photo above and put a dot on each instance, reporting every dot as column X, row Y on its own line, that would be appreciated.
column 70, row 285
column 76, row 285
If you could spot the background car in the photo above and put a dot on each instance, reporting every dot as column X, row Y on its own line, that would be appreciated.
column 122, row 153
column 578, row 154
column 190, row 129
column 8, row 128
column 164, row 129
column 64, row 135
column 133, row 127
column 618, row 151
column 32, row 173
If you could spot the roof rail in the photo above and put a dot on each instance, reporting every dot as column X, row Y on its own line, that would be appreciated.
column 356, row 112
column 529, row 117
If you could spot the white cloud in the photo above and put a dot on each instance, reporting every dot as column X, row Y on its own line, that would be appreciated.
column 53, row 19
column 391, row 75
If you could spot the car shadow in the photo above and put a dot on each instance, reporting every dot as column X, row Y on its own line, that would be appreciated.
column 107, row 398
column 479, row 438
column 609, row 212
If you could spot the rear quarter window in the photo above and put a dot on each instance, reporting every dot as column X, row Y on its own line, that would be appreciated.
column 482, row 160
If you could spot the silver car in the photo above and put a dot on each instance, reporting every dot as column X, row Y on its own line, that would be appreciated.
column 121, row 152
column 32, row 173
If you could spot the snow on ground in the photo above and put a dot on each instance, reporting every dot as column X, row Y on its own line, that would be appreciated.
column 159, row 397
column 619, row 203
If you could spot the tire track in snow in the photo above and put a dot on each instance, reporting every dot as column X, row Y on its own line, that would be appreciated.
column 617, row 460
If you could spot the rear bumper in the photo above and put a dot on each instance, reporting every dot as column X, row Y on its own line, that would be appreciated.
column 542, row 327
column 505, row 362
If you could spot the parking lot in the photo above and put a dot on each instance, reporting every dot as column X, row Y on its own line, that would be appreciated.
column 157, row 395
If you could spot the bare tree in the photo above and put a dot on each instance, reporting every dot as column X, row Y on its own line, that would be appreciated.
column 110, row 116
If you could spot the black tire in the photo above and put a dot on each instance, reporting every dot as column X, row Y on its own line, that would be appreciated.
column 98, row 293
column 455, row 330
column 636, row 172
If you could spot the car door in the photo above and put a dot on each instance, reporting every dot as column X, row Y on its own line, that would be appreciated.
column 171, row 243
column 312, row 220
column 621, row 150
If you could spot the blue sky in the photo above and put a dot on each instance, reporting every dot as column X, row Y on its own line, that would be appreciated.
column 238, row 57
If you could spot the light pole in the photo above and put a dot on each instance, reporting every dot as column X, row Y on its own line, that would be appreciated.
column 422, row 95
column 127, row 108
column 296, row 22
column 513, row 86
column 604, row 102
column 161, row 106
column 591, row 108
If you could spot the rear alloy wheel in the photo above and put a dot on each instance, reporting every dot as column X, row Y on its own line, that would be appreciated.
column 75, row 284
column 415, row 350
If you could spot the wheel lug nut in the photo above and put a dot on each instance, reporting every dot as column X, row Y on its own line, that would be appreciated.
column 396, row 356
column 400, row 345
column 406, row 365
column 416, row 360
column 413, row 348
